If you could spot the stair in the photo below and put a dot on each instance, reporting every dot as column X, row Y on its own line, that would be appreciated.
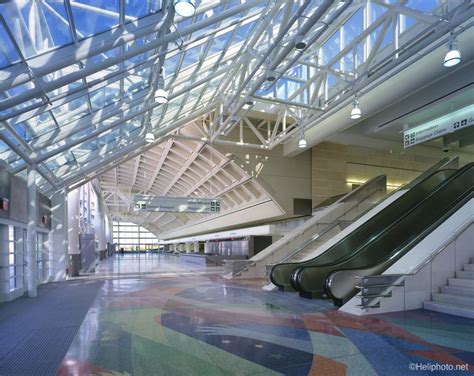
column 457, row 298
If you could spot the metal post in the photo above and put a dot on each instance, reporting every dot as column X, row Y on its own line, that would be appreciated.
column 31, row 233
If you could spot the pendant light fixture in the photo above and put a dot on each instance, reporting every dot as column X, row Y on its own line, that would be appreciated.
column 453, row 56
column 302, row 141
column 185, row 8
column 149, row 138
column 356, row 112
column 161, row 95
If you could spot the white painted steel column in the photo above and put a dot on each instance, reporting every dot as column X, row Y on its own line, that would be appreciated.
column 73, row 232
column 58, row 240
column 73, row 222
column 31, row 233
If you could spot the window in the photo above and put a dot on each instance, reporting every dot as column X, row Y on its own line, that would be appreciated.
column 13, row 247
column 132, row 237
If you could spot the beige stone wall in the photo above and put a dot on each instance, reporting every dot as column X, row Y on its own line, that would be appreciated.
column 285, row 178
column 336, row 167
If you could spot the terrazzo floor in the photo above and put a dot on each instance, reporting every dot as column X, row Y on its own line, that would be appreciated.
column 202, row 324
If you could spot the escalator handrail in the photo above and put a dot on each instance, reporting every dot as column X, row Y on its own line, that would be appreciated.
column 402, row 249
column 353, row 195
column 386, row 229
column 372, row 218
column 337, row 221
column 419, row 180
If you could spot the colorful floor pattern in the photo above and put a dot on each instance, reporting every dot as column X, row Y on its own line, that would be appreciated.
column 205, row 325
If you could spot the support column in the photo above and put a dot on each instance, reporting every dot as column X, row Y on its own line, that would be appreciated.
column 188, row 247
column 31, row 233
column 100, row 233
column 58, row 244
column 73, row 232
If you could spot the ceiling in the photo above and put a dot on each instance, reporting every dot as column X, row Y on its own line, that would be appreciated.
column 78, row 80
column 183, row 167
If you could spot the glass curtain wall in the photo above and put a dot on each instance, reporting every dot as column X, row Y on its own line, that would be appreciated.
column 131, row 237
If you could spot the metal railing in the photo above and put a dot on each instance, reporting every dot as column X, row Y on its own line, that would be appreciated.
column 374, row 288
column 316, row 227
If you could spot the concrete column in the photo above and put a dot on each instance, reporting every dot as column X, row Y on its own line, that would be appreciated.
column 188, row 247
column 58, row 237
column 73, row 232
column 32, row 216
column 196, row 246
column 99, row 226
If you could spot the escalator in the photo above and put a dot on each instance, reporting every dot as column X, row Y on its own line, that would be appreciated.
column 384, row 239
column 281, row 274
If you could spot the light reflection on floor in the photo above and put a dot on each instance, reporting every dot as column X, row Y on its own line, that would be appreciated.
column 206, row 325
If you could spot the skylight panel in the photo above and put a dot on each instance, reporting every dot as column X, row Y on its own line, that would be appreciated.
column 40, row 124
column 15, row 91
column 353, row 27
column 94, row 16
column 171, row 63
column 72, row 110
column 141, row 8
column 243, row 32
column 105, row 96
column 422, row 5
column 331, row 48
column 109, row 136
column 37, row 26
column 23, row 132
column 8, row 53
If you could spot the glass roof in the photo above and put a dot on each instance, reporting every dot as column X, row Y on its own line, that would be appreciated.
column 78, row 77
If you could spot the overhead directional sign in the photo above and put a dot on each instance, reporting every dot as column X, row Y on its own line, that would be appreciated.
column 449, row 123
column 153, row 203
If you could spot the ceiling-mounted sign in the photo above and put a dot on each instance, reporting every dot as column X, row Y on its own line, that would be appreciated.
column 449, row 123
column 176, row 204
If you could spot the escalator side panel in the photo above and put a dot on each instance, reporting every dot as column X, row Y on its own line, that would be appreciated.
column 281, row 273
column 395, row 240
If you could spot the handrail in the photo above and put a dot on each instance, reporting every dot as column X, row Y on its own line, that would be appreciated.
column 351, row 194
column 399, row 219
column 446, row 242
column 336, row 222
column 341, row 273
column 442, row 164
column 291, row 237
column 453, row 236
column 315, row 237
